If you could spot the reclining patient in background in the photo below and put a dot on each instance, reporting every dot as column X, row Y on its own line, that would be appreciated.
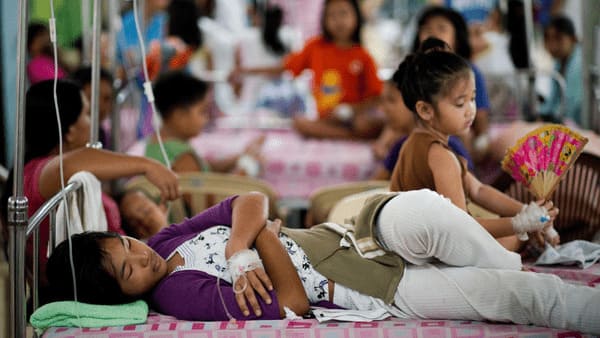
column 41, row 178
column 231, row 262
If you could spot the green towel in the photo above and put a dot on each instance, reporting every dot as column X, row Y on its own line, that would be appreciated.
column 90, row 315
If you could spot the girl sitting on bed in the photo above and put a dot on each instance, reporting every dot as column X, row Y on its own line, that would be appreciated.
column 345, row 83
column 439, row 88
column 449, row 26
column 231, row 262
column 401, row 121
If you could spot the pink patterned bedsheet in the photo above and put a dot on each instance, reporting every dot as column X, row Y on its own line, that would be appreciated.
column 293, row 165
column 311, row 328
column 168, row 327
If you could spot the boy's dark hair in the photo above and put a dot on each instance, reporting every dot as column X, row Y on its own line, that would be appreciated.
column 41, row 129
column 428, row 73
column 461, row 34
column 359, row 21
column 177, row 90
column 94, row 284
column 563, row 25
column 33, row 30
column 183, row 22
column 83, row 76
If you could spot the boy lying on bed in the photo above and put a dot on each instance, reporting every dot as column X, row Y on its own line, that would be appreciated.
column 413, row 253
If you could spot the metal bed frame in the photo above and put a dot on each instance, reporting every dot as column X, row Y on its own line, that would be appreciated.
column 19, row 227
column 48, row 209
column 18, row 224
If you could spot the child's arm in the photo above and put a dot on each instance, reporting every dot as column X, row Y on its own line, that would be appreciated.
column 228, row 164
column 288, row 287
column 491, row 198
column 185, row 163
column 107, row 165
column 448, row 182
column 248, row 218
column 447, row 174
column 224, row 165
column 505, row 206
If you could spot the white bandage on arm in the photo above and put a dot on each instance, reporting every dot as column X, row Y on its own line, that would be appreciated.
column 532, row 217
column 249, row 165
column 242, row 262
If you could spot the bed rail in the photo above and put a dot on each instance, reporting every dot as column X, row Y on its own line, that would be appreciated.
column 48, row 209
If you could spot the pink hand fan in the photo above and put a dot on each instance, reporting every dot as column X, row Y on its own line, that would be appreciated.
column 541, row 158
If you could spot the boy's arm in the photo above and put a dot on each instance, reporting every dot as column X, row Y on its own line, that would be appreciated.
column 241, row 212
column 248, row 218
column 288, row 287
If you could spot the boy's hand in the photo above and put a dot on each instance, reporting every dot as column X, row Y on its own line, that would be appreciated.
column 255, row 281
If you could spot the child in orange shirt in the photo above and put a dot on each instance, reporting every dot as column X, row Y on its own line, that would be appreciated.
column 345, row 82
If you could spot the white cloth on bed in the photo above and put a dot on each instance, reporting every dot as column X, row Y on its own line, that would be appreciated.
column 582, row 254
column 323, row 315
column 91, row 217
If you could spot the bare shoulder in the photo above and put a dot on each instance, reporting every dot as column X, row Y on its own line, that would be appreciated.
column 441, row 158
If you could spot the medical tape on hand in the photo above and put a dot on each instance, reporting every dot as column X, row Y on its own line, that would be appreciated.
column 550, row 233
column 240, row 263
column 532, row 217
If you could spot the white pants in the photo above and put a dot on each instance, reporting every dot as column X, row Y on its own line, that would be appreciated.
column 478, row 279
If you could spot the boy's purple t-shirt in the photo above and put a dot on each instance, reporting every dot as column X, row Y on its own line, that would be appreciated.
column 192, row 294
column 453, row 142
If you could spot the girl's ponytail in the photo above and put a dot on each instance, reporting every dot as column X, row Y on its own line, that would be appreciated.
column 433, row 44
column 429, row 72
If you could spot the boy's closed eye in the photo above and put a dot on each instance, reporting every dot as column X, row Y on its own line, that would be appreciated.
column 126, row 269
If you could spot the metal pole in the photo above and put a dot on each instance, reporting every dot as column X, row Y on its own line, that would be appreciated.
column 528, row 8
column 18, row 204
column 85, row 31
column 115, row 121
column 95, row 104
column 589, row 68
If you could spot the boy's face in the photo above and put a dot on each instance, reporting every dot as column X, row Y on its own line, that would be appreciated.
column 189, row 121
column 558, row 44
column 135, row 266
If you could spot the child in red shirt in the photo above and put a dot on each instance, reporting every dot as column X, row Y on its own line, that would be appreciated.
column 345, row 82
